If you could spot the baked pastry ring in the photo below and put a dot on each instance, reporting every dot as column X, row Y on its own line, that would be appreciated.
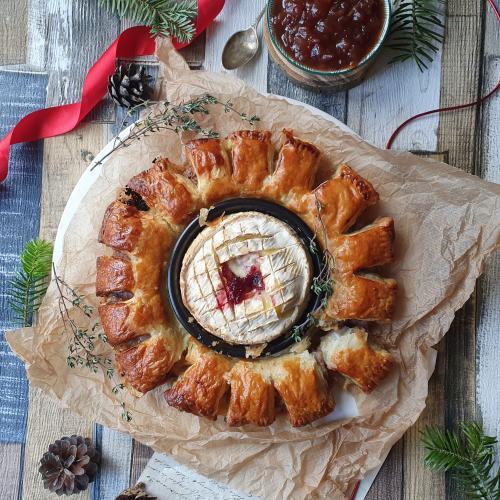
column 141, row 227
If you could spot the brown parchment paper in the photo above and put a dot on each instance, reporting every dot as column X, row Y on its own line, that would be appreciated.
column 447, row 223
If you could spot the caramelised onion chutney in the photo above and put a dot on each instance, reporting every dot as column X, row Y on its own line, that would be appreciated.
column 327, row 35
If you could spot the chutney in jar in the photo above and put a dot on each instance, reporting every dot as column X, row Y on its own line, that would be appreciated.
column 327, row 35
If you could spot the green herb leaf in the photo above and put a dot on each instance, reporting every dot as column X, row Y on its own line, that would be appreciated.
column 166, row 17
column 468, row 454
column 416, row 31
column 28, row 287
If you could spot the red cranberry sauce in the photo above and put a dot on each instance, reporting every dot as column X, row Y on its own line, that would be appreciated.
column 237, row 289
column 327, row 35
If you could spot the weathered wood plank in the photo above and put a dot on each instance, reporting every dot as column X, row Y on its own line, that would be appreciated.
column 421, row 482
column 140, row 457
column 237, row 15
column 391, row 95
column 457, row 134
column 10, row 469
column 13, row 29
column 67, row 38
column 19, row 222
column 488, row 296
column 65, row 158
column 116, row 461
column 333, row 104
column 47, row 422
column 388, row 484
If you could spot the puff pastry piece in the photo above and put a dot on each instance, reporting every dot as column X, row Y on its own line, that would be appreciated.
column 114, row 275
column 172, row 194
column 130, row 280
column 252, row 395
column 349, row 353
column 210, row 162
column 147, row 364
column 200, row 389
column 301, row 383
column 368, row 247
column 251, row 154
column 295, row 170
column 336, row 204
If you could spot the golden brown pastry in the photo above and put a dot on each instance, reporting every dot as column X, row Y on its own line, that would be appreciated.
column 173, row 195
column 133, row 316
column 295, row 170
column 251, row 155
column 199, row 390
column 349, row 353
column 140, row 229
column 252, row 395
column 301, row 383
column 211, row 164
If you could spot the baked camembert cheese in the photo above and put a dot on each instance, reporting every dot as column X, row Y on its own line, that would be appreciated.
column 246, row 278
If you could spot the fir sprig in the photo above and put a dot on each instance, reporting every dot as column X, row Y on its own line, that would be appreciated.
column 176, row 118
column 30, row 283
column 166, row 17
column 468, row 454
column 416, row 31
column 83, row 339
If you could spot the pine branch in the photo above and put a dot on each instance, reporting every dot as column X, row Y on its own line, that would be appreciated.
column 416, row 31
column 166, row 17
column 28, row 287
column 470, row 456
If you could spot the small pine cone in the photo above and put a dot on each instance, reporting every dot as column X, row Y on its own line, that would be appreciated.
column 137, row 492
column 129, row 85
column 70, row 465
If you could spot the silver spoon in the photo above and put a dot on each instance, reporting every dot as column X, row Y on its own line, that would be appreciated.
column 242, row 46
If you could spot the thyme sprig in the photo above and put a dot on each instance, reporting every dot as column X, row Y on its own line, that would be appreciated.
column 83, row 339
column 177, row 118
column 321, row 285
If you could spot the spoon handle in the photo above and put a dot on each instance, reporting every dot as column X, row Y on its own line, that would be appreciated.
column 259, row 17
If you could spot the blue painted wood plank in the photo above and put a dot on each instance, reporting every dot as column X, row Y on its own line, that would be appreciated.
column 20, row 94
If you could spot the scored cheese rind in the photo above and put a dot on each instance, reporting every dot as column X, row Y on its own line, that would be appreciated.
column 285, row 266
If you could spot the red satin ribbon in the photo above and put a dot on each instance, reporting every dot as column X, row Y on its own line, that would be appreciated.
column 58, row 120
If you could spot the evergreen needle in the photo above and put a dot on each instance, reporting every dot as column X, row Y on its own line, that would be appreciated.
column 165, row 17
column 28, row 287
column 468, row 454
column 415, row 31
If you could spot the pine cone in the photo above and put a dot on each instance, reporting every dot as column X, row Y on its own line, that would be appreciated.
column 137, row 492
column 129, row 85
column 70, row 465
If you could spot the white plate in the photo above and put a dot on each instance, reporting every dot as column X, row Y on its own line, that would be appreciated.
column 346, row 405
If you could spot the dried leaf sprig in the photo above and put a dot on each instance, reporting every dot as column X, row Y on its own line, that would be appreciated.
column 83, row 339
column 176, row 118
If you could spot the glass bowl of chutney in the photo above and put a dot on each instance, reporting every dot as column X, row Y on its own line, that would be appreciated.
column 326, row 44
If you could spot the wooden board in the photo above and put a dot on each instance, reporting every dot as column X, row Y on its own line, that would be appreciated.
column 13, row 31
column 57, row 41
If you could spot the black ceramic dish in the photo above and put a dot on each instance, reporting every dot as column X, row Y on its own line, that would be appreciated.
column 232, row 206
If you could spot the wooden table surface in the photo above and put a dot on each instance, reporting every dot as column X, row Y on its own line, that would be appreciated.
column 46, row 47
